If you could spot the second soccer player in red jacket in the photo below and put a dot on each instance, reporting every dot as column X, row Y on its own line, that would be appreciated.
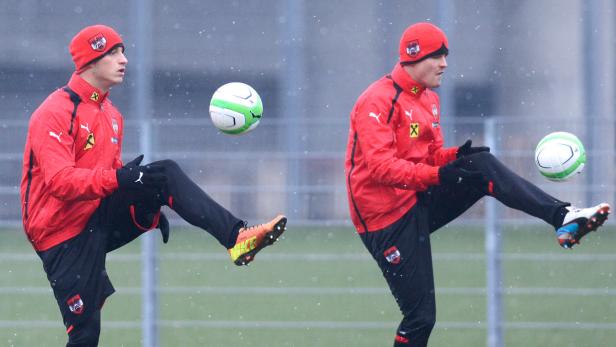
column 403, row 185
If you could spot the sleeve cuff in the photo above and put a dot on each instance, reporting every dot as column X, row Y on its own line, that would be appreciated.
column 432, row 175
column 452, row 154
column 111, row 180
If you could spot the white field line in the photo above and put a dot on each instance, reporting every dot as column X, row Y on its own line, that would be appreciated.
column 314, row 257
column 305, row 325
column 329, row 291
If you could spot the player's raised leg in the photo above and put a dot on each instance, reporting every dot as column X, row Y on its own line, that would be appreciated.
column 199, row 209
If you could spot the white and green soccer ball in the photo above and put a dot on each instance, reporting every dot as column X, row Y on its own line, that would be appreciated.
column 236, row 108
column 559, row 156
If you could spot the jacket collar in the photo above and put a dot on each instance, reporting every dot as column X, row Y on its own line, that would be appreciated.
column 85, row 90
column 404, row 80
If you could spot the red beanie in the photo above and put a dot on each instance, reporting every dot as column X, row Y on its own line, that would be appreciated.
column 92, row 43
column 421, row 41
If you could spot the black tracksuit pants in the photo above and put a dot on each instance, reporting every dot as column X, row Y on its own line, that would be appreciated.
column 183, row 196
column 402, row 250
column 76, row 267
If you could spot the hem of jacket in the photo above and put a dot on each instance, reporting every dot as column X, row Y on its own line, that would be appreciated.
column 387, row 219
column 56, row 239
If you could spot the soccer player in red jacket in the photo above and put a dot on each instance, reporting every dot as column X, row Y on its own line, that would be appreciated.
column 403, row 184
column 80, row 202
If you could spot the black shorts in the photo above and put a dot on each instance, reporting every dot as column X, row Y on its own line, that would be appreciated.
column 76, row 267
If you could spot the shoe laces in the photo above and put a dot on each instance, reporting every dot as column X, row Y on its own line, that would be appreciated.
column 248, row 228
column 578, row 209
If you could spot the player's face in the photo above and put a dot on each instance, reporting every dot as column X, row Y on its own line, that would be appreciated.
column 109, row 70
column 428, row 72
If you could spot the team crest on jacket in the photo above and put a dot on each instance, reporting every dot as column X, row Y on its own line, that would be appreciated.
column 89, row 142
column 414, row 130
column 75, row 304
column 434, row 111
column 98, row 42
column 413, row 48
column 95, row 96
column 114, row 124
column 392, row 255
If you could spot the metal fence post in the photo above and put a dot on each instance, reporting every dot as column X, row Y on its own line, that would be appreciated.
column 142, row 101
column 293, row 101
column 493, row 253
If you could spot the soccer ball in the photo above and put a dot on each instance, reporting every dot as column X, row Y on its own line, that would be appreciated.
column 236, row 108
column 559, row 156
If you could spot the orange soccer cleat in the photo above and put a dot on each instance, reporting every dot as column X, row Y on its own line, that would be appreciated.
column 254, row 238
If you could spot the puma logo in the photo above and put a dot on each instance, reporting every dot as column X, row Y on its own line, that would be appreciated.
column 86, row 127
column 375, row 116
column 410, row 114
column 57, row 136
column 139, row 179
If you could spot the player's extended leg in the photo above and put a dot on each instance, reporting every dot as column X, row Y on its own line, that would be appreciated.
column 196, row 207
column 129, row 213
column 447, row 202
column 199, row 209
column 504, row 185
column 402, row 251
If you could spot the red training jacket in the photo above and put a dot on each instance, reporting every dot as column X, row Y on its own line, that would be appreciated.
column 394, row 150
column 72, row 150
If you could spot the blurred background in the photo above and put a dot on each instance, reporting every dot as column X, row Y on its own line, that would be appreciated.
column 517, row 71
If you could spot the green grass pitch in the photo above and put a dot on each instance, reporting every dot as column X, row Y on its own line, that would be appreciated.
column 320, row 287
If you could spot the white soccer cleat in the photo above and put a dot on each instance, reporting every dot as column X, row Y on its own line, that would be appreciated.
column 580, row 221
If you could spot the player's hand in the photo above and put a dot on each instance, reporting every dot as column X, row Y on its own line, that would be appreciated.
column 134, row 176
column 452, row 173
column 163, row 225
column 467, row 149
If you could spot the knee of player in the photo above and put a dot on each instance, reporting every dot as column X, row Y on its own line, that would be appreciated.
column 481, row 160
column 170, row 165
column 484, row 156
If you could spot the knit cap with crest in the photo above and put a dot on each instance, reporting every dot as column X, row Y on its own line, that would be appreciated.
column 92, row 43
column 421, row 41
